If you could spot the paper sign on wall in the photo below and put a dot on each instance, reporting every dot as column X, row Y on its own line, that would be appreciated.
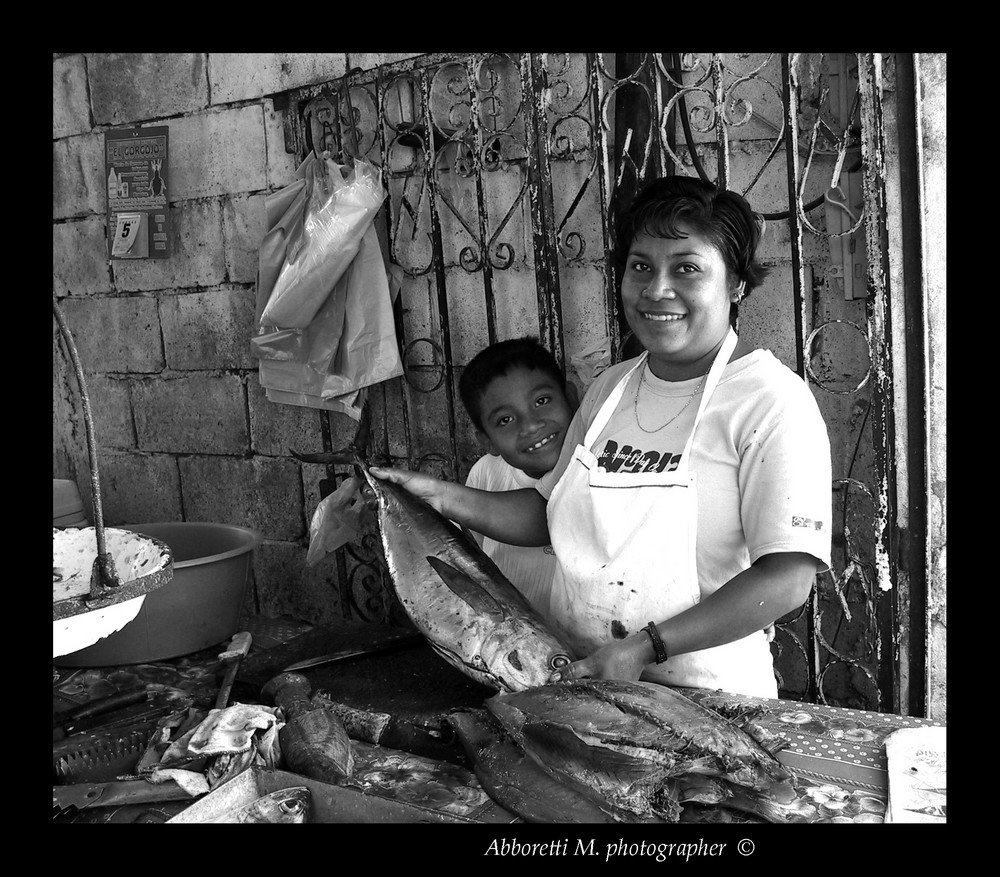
column 135, row 162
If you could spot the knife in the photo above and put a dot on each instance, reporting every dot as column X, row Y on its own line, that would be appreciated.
column 405, row 639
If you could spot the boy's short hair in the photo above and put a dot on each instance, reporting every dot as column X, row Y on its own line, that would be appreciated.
column 499, row 359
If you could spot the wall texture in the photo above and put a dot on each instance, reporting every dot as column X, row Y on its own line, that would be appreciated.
column 183, row 427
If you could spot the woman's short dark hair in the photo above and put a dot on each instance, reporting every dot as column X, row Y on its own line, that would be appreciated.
column 722, row 217
column 499, row 359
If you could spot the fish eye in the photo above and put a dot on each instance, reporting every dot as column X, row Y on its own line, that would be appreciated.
column 559, row 661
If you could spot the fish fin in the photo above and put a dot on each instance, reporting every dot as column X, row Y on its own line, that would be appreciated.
column 465, row 588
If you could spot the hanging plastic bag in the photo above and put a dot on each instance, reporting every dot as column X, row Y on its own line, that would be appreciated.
column 338, row 519
column 350, row 344
column 338, row 212
column 285, row 212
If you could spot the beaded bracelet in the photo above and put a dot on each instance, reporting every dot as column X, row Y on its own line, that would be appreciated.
column 658, row 645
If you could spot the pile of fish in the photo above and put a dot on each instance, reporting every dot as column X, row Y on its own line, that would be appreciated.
column 639, row 750
column 455, row 595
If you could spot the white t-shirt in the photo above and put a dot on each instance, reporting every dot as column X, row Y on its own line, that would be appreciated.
column 761, row 455
column 530, row 569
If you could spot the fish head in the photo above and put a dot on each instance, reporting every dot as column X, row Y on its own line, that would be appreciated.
column 524, row 657
column 291, row 806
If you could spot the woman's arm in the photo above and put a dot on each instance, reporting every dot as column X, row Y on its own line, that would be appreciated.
column 772, row 587
column 513, row 516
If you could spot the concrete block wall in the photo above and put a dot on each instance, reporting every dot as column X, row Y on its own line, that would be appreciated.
column 183, row 428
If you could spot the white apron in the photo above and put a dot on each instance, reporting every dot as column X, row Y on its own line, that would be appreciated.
column 626, row 544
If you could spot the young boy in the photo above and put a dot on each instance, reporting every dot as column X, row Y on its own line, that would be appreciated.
column 520, row 402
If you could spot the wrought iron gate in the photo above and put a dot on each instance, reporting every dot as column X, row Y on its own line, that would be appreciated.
column 504, row 173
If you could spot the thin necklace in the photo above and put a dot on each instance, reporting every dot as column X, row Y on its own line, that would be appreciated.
column 635, row 404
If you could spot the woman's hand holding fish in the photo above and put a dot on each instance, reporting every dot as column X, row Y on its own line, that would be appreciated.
column 621, row 659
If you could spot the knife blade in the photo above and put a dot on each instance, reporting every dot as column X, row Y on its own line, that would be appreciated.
column 405, row 639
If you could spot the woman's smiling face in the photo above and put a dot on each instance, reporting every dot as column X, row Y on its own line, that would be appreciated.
column 677, row 294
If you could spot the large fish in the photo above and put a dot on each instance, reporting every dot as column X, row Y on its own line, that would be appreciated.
column 455, row 595
column 521, row 785
column 643, row 748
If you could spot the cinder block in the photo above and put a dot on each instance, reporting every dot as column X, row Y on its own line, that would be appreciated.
column 516, row 303
column 218, row 152
column 197, row 252
column 208, row 330
column 264, row 494
column 288, row 586
column 127, row 87
column 370, row 60
column 466, row 314
column 191, row 414
column 80, row 257
column 135, row 488
column 243, row 222
column 274, row 427
column 70, row 104
column 767, row 316
column 79, row 186
column 111, row 407
column 237, row 76
column 115, row 334
column 433, row 441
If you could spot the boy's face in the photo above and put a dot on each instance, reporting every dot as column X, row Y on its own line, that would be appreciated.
column 525, row 414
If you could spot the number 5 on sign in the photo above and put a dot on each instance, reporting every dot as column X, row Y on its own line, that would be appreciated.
column 126, row 233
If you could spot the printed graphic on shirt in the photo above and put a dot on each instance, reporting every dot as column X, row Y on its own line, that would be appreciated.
column 628, row 459
column 809, row 523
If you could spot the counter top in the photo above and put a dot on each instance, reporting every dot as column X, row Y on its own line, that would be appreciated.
column 838, row 755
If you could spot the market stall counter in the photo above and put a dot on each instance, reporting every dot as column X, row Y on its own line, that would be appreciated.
column 114, row 729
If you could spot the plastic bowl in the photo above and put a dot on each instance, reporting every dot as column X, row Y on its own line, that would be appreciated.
column 201, row 605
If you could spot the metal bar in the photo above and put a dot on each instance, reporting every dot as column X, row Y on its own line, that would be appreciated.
column 721, row 129
column 440, row 275
column 472, row 69
column 908, row 303
column 883, row 437
column 605, row 176
column 789, row 84
column 542, row 212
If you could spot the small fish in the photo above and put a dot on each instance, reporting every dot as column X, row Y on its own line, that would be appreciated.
column 455, row 595
column 292, row 805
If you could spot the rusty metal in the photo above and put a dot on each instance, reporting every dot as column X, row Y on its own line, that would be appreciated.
column 104, row 580
column 909, row 309
column 883, row 425
column 620, row 122
column 544, row 233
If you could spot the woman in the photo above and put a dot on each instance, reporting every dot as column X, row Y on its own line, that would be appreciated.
column 690, row 507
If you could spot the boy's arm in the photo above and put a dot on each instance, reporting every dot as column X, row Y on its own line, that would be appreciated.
column 513, row 516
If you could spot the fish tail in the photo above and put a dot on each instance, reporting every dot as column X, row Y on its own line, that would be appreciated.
column 348, row 456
